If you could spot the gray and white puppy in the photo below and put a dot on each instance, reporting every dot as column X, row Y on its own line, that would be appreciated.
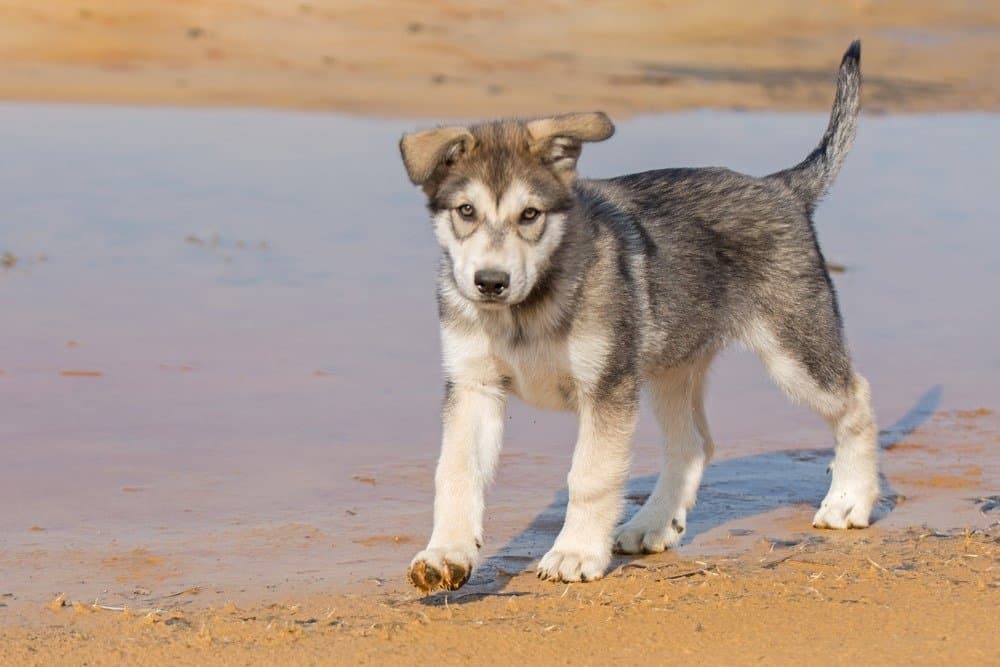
column 572, row 293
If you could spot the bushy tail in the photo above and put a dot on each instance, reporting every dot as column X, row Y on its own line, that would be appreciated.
column 811, row 177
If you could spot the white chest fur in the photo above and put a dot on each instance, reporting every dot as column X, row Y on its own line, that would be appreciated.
column 540, row 373
column 547, row 371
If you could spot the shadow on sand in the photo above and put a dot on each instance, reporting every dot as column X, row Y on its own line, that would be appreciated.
column 732, row 489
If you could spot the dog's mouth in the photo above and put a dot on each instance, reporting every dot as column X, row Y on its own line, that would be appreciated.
column 491, row 302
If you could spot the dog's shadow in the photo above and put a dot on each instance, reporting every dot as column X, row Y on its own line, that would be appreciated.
column 731, row 490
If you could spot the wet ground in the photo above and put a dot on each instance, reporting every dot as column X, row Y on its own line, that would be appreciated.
column 219, row 359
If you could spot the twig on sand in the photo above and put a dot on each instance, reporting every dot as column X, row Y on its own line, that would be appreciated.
column 690, row 573
column 774, row 563
column 147, row 610
column 61, row 602
column 877, row 565
column 193, row 590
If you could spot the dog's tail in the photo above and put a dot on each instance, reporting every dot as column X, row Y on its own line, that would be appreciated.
column 811, row 177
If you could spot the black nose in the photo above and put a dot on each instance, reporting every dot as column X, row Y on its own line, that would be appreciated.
column 492, row 282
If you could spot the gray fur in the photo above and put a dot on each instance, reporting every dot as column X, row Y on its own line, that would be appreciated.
column 665, row 267
column 811, row 177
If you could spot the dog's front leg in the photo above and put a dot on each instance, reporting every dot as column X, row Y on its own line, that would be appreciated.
column 473, row 433
column 582, row 551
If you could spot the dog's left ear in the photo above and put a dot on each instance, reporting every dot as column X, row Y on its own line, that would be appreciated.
column 557, row 140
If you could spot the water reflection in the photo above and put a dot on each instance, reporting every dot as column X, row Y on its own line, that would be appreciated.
column 249, row 298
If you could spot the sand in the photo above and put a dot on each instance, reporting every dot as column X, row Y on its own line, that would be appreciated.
column 769, row 589
column 871, row 597
column 886, row 595
column 465, row 59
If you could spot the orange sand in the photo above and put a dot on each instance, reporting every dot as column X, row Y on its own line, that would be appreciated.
column 862, row 597
column 460, row 59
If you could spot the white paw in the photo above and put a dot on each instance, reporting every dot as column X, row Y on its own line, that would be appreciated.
column 648, row 535
column 573, row 565
column 445, row 568
column 845, row 509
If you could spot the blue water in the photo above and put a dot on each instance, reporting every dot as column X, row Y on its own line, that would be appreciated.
column 256, row 292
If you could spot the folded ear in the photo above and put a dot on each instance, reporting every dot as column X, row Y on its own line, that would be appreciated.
column 425, row 152
column 558, row 139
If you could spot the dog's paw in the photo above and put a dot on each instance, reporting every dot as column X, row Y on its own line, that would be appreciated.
column 845, row 509
column 568, row 566
column 447, row 569
column 639, row 536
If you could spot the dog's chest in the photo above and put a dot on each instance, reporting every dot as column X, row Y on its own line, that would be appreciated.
column 540, row 373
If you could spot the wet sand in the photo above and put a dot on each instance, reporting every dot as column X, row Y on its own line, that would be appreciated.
column 218, row 447
column 469, row 59
column 194, row 405
column 885, row 595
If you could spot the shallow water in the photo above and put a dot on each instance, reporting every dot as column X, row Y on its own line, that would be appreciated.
column 219, row 356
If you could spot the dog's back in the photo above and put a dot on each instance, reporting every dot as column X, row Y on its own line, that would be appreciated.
column 725, row 253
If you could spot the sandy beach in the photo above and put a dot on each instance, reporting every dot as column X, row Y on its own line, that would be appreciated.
column 768, row 590
column 218, row 451
column 469, row 59
column 915, row 597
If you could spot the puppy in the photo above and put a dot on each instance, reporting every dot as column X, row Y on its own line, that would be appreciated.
column 572, row 293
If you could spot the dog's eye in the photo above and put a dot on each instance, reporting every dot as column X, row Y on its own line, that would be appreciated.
column 466, row 211
column 529, row 215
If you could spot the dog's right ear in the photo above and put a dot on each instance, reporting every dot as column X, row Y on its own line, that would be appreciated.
column 428, row 154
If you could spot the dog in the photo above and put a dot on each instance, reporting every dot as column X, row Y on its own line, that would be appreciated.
column 573, row 293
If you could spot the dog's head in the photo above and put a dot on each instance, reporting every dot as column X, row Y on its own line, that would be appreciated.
column 499, row 194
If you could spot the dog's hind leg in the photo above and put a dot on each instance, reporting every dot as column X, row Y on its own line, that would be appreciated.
column 679, row 403
column 809, row 362
column 698, row 403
